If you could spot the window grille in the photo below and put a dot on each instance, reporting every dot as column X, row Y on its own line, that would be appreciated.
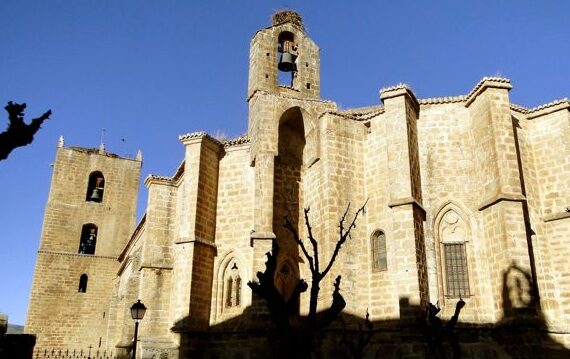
column 457, row 276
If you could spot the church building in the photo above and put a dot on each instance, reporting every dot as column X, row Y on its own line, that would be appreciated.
column 468, row 197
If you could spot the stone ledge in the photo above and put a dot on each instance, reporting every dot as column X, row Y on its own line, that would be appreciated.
column 76, row 254
column 261, row 236
column 205, row 242
column 499, row 198
column 406, row 201
column 556, row 216
column 150, row 266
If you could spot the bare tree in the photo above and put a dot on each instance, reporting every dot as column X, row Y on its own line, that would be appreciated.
column 18, row 132
column 298, row 335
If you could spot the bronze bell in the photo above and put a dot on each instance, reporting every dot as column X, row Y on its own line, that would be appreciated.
column 287, row 62
column 95, row 196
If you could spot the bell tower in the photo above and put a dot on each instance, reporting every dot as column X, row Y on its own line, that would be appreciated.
column 89, row 217
column 283, row 128
column 283, row 59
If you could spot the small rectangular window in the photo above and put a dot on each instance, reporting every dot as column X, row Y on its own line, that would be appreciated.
column 457, row 276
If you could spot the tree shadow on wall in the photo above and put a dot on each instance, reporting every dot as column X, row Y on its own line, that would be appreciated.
column 522, row 333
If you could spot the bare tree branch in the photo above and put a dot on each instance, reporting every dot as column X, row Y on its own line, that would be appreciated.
column 312, row 239
column 345, row 235
column 289, row 225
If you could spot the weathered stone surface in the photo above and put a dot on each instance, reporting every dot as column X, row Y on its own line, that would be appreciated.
column 475, row 171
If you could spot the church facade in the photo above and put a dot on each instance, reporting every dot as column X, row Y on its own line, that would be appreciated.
column 468, row 197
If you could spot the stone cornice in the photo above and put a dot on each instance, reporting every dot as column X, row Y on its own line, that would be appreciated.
column 399, row 90
column 90, row 256
column 485, row 83
column 442, row 100
column 554, row 106
column 161, row 180
column 195, row 137
column 304, row 99
column 357, row 114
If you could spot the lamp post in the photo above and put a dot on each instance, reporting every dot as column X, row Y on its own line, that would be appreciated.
column 137, row 313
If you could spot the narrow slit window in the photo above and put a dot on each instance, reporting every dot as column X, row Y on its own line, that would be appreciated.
column 238, row 292
column 379, row 253
column 229, row 292
column 83, row 283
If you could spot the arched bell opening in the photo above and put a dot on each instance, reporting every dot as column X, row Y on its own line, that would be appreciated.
column 88, row 239
column 287, row 196
column 287, row 51
column 95, row 187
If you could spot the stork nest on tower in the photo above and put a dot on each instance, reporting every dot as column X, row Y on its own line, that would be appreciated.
column 284, row 16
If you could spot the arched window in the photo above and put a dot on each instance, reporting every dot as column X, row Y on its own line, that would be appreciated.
column 232, row 290
column 453, row 231
column 95, row 187
column 379, row 253
column 88, row 239
column 83, row 283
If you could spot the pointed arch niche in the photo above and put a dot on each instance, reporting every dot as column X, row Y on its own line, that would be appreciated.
column 453, row 240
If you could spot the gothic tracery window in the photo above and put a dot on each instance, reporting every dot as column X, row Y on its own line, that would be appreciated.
column 232, row 287
column 453, row 233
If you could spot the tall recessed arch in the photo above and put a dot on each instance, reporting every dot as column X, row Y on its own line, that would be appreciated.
column 288, row 177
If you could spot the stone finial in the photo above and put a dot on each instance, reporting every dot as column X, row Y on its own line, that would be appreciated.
column 284, row 16
column 139, row 156
column 60, row 142
column 102, row 148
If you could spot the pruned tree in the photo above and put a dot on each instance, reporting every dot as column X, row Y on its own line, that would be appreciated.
column 437, row 333
column 18, row 133
column 298, row 335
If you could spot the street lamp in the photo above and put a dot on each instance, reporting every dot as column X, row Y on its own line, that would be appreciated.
column 137, row 313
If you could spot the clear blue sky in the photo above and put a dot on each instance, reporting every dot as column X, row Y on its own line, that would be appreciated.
column 147, row 71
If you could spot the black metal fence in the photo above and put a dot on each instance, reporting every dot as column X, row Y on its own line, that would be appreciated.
column 75, row 354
